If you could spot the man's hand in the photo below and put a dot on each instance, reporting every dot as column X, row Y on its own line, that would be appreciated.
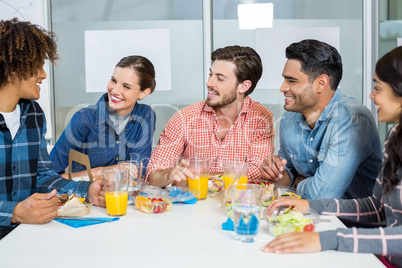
column 96, row 194
column 273, row 169
column 180, row 173
column 36, row 209
column 176, row 175
column 295, row 242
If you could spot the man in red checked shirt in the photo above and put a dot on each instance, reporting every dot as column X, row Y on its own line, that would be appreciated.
column 227, row 126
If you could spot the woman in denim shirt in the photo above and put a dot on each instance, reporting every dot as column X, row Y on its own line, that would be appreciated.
column 116, row 126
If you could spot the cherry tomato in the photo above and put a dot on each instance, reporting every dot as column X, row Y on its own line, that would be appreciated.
column 309, row 228
column 158, row 209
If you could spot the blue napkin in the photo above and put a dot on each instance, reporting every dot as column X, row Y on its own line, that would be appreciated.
column 180, row 195
column 228, row 225
column 82, row 222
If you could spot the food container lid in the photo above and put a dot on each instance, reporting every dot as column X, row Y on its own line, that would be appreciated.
column 149, row 189
column 181, row 193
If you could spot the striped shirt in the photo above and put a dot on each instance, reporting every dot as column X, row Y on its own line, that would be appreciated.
column 193, row 132
column 25, row 167
column 375, row 208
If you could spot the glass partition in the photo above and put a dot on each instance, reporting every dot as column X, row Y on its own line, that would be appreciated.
column 188, row 31
column 183, row 20
column 290, row 17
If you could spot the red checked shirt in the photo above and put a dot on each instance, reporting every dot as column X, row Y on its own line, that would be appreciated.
column 193, row 132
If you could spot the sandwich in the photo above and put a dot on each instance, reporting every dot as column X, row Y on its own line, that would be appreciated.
column 73, row 207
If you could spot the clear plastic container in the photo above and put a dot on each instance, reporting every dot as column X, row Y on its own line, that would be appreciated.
column 181, row 193
column 153, row 203
column 76, row 206
column 286, row 220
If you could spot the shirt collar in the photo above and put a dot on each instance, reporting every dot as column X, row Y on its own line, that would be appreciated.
column 331, row 105
column 101, row 112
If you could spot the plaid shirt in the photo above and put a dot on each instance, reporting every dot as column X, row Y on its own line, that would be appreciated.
column 375, row 208
column 25, row 167
column 193, row 132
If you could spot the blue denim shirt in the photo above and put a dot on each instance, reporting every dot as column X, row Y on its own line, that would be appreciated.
column 25, row 167
column 340, row 157
column 91, row 132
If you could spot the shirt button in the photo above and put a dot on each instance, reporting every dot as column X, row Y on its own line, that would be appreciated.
column 14, row 167
column 311, row 160
column 14, row 193
column 117, row 142
column 117, row 159
column 311, row 139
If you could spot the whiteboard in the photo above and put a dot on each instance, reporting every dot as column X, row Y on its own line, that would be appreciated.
column 34, row 11
column 155, row 45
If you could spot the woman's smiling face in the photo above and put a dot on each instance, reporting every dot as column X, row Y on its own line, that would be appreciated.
column 124, row 90
column 387, row 103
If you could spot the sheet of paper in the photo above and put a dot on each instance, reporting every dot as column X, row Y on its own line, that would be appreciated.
column 272, row 42
column 399, row 39
column 104, row 49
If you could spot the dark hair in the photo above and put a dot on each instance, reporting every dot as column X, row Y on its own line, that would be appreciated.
column 317, row 58
column 143, row 68
column 248, row 63
column 23, row 49
column 389, row 70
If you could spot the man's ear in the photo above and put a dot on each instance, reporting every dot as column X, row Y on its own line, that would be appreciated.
column 243, row 87
column 144, row 93
column 321, row 83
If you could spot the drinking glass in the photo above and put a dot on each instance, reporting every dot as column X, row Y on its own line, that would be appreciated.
column 246, row 205
column 115, row 181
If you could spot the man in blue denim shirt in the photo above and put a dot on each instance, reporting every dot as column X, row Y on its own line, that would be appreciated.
column 329, row 143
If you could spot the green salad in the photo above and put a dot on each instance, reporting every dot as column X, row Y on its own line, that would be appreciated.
column 290, row 221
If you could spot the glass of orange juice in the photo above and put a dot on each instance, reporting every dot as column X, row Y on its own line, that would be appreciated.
column 232, row 170
column 115, row 181
column 200, row 168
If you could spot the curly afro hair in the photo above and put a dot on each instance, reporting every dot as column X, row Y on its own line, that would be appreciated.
column 24, row 47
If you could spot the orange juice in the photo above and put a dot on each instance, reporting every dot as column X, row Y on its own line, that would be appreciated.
column 228, row 179
column 200, row 183
column 116, row 203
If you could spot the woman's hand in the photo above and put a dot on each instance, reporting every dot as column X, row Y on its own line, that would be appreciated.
column 299, row 204
column 295, row 242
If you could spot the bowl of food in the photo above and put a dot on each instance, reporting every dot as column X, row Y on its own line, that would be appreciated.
column 153, row 203
column 215, row 184
column 285, row 220
column 73, row 205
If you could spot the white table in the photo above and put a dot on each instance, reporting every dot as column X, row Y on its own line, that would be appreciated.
column 186, row 236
